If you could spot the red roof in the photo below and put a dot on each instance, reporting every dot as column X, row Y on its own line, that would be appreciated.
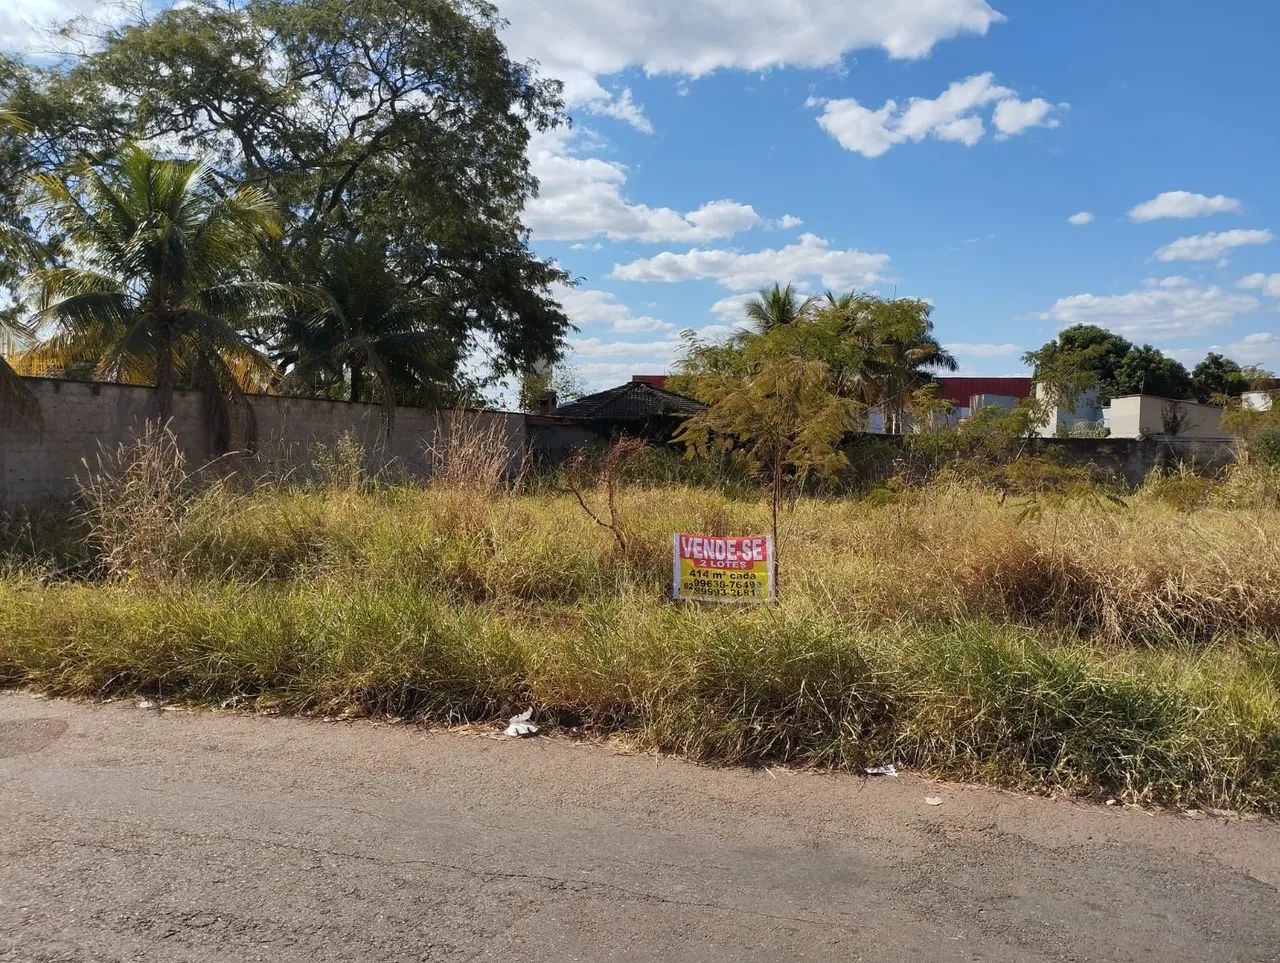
column 958, row 390
column 655, row 381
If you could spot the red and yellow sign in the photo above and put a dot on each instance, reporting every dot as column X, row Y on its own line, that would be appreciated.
column 713, row 568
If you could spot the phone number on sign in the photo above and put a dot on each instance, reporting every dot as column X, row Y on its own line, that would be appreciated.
column 718, row 589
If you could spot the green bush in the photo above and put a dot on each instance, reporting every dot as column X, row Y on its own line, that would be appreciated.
column 1265, row 447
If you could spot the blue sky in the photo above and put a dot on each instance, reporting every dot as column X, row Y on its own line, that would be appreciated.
column 936, row 148
column 962, row 198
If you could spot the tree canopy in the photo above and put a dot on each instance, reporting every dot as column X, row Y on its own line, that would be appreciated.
column 1218, row 377
column 1149, row 371
column 399, row 126
column 1083, row 357
column 877, row 352
column 1086, row 357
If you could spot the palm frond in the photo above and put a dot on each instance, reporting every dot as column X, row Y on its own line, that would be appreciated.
column 19, row 407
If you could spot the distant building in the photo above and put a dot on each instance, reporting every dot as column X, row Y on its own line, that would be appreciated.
column 641, row 406
column 966, row 394
column 1085, row 412
column 1258, row 400
column 1148, row 416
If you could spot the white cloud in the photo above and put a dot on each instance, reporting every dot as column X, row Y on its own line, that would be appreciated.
column 604, row 363
column 731, row 308
column 25, row 25
column 1013, row 116
column 1161, row 308
column 809, row 257
column 1080, row 218
column 599, row 348
column 857, row 128
column 1268, row 284
column 788, row 222
column 623, row 108
column 954, row 115
column 588, row 307
column 1183, row 204
column 582, row 197
column 1261, row 347
column 1212, row 246
column 641, row 325
column 580, row 41
column 968, row 349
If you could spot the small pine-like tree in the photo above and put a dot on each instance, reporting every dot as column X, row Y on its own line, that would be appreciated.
column 782, row 418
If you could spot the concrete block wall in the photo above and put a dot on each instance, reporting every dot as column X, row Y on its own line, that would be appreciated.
column 1140, row 416
column 40, row 461
column 1134, row 459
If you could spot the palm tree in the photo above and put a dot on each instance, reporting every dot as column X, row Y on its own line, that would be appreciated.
column 904, row 356
column 880, row 352
column 158, row 283
column 17, row 403
column 367, row 330
column 777, row 307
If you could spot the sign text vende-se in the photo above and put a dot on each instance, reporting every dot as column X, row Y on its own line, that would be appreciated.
column 715, row 568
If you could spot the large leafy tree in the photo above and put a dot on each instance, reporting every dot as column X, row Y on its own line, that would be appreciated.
column 16, row 246
column 398, row 119
column 1148, row 370
column 1218, row 377
column 1081, row 358
column 157, row 281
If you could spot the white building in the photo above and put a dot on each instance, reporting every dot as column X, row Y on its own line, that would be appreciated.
column 1147, row 416
column 1258, row 400
column 1062, row 419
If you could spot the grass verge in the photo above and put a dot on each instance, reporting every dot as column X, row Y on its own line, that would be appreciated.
column 972, row 700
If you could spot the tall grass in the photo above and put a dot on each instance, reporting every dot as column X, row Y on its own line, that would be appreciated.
column 794, row 685
column 1126, row 647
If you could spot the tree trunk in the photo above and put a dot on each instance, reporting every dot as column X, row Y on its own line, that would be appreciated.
column 777, row 500
column 357, row 378
column 164, row 376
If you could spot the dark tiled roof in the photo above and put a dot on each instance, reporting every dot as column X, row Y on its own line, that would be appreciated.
column 634, row 401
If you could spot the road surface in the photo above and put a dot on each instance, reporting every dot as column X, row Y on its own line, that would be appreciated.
column 135, row 834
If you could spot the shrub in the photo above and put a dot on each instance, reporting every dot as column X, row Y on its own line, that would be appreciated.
column 1265, row 447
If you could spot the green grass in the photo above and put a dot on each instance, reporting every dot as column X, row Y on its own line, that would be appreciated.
column 1129, row 652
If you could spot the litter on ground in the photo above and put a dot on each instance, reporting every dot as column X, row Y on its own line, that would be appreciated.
column 521, row 725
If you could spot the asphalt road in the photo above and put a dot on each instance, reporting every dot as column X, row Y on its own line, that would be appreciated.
column 135, row 834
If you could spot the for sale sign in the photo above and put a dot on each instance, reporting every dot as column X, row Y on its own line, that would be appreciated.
column 712, row 568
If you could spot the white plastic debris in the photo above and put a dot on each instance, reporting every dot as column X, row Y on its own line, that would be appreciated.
column 521, row 725
column 886, row 770
column 146, row 704
column 933, row 800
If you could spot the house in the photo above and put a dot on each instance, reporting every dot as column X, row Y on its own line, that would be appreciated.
column 641, row 406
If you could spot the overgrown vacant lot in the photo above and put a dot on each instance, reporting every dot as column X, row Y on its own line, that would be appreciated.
column 1126, row 647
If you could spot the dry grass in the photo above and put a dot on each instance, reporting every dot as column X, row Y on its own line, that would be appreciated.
column 1129, row 648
